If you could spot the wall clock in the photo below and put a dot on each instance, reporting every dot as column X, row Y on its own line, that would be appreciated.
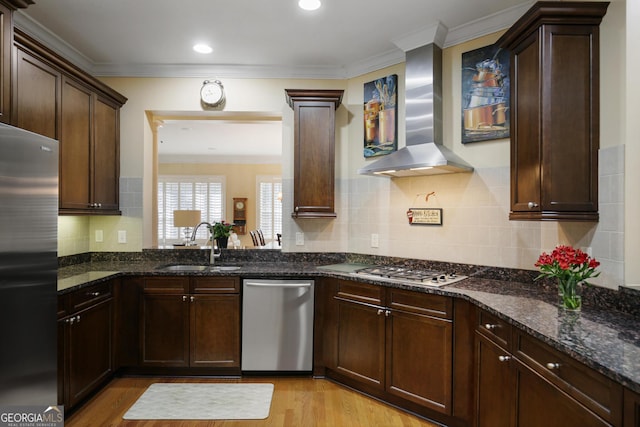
column 240, row 215
column 212, row 93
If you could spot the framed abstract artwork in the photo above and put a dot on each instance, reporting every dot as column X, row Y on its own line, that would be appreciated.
column 485, row 94
column 380, row 112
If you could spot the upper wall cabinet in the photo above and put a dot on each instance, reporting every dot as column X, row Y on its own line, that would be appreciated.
column 555, row 104
column 53, row 98
column 314, row 151
column 6, row 36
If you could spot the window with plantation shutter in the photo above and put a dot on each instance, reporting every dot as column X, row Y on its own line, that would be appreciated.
column 269, row 213
column 204, row 193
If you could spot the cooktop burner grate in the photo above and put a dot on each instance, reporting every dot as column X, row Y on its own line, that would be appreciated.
column 412, row 276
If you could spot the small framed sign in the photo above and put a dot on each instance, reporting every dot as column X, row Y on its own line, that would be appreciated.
column 425, row 216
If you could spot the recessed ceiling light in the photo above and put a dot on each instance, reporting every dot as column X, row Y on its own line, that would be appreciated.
column 309, row 4
column 202, row 48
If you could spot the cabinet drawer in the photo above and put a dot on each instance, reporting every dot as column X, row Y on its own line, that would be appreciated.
column 360, row 292
column 495, row 328
column 215, row 285
column 88, row 296
column 419, row 303
column 166, row 285
column 595, row 391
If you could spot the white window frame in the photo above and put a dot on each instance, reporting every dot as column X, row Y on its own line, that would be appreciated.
column 167, row 233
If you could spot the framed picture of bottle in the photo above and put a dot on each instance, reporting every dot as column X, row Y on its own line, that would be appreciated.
column 485, row 94
column 380, row 113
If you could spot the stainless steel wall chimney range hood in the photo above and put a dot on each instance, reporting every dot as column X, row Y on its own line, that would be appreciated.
column 424, row 153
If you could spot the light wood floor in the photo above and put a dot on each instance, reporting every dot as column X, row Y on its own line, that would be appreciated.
column 297, row 402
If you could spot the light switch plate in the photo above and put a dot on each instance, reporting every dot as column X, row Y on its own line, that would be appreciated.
column 122, row 236
column 99, row 236
column 299, row 238
column 375, row 241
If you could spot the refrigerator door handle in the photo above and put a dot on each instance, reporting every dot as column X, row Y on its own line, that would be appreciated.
column 278, row 285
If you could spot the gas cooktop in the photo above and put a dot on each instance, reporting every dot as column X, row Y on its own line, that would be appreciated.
column 410, row 276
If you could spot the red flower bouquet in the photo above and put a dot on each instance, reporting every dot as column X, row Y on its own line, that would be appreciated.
column 571, row 267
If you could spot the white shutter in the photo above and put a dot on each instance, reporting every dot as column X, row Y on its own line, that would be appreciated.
column 269, row 206
column 205, row 193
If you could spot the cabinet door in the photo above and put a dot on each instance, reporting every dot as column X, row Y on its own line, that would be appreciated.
column 540, row 403
column 526, row 154
column 360, row 347
column 37, row 95
column 419, row 359
column 89, row 350
column 6, row 40
column 75, row 152
column 106, row 156
column 493, row 384
column 631, row 409
column 165, row 329
column 314, row 159
column 215, row 331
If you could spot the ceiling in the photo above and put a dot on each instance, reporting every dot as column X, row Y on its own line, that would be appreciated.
column 251, row 39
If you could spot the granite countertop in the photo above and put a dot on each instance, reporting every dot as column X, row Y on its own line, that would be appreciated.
column 604, row 339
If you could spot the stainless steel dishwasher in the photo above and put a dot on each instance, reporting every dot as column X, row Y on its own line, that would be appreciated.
column 277, row 325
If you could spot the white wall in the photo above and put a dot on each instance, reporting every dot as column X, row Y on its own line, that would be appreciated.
column 476, row 228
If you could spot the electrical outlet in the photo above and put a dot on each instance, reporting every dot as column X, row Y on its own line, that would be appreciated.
column 375, row 240
column 99, row 236
column 122, row 236
column 299, row 238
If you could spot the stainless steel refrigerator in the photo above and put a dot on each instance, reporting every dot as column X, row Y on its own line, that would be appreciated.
column 28, row 267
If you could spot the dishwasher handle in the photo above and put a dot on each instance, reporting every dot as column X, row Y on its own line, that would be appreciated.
column 278, row 284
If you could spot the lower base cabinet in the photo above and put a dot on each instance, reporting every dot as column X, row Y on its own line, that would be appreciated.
column 190, row 322
column 631, row 409
column 85, row 342
column 521, row 381
column 392, row 341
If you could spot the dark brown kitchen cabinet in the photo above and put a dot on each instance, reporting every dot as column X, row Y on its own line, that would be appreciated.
column 190, row 322
column 36, row 93
column 631, row 408
column 6, row 41
column 555, row 111
column 524, row 382
column 56, row 99
column 394, row 342
column 85, row 342
column 314, row 151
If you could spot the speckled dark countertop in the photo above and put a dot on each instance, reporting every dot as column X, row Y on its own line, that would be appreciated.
column 604, row 336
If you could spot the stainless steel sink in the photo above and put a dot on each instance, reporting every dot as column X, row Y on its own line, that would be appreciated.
column 185, row 267
column 225, row 268
column 191, row 267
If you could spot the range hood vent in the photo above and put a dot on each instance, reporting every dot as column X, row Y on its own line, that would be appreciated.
column 424, row 153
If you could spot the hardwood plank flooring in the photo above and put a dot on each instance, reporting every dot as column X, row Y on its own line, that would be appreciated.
column 297, row 402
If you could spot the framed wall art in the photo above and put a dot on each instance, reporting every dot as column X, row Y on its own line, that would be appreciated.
column 380, row 112
column 485, row 94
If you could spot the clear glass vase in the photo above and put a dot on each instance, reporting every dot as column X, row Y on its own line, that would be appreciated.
column 570, row 293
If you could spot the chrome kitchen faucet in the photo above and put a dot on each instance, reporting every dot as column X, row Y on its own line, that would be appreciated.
column 215, row 250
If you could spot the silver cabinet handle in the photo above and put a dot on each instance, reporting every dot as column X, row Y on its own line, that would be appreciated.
column 380, row 311
column 532, row 205
column 184, row 297
column 504, row 358
column 490, row 327
column 552, row 365
column 78, row 318
column 93, row 294
column 192, row 298
column 387, row 313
